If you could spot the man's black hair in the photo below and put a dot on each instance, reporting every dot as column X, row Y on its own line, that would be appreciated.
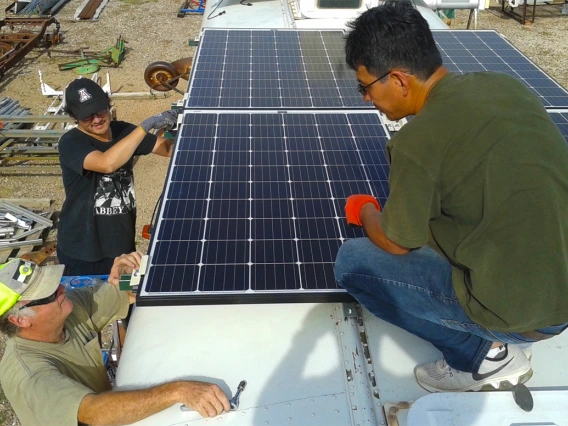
column 393, row 35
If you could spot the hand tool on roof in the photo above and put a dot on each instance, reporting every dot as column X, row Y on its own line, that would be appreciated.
column 234, row 401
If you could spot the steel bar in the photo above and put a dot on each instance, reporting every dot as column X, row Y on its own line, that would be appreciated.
column 35, row 119
column 30, row 150
column 16, row 244
column 29, row 169
column 90, row 9
column 30, row 133
column 12, row 208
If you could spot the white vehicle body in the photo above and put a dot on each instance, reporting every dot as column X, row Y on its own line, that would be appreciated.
column 315, row 364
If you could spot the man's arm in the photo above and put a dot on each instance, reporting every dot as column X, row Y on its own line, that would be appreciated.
column 371, row 219
column 115, row 157
column 125, row 407
column 163, row 147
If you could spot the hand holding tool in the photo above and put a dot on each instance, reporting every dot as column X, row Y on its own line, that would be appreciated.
column 354, row 205
column 234, row 401
column 164, row 120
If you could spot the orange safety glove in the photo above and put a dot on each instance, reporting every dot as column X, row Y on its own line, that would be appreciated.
column 354, row 205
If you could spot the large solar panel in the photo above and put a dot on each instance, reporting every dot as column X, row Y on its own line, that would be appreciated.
column 272, row 69
column 290, row 69
column 470, row 51
column 561, row 120
column 253, row 207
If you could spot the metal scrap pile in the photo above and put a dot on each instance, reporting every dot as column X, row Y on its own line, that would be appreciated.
column 21, row 227
column 18, row 36
column 21, row 145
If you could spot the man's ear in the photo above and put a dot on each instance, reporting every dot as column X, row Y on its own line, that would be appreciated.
column 20, row 321
column 402, row 80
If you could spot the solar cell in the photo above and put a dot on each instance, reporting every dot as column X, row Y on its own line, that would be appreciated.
column 265, row 223
column 272, row 69
column 470, row 51
column 293, row 69
column 561, row 120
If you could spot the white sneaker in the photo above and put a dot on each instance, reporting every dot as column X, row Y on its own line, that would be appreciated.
column 503, row 373
column 527, row 349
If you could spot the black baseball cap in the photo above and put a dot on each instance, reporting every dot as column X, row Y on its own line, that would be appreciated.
column 85, row 97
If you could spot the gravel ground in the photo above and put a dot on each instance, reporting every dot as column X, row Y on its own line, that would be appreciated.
column 153, row 32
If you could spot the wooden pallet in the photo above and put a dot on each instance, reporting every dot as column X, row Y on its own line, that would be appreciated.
column 35, row 204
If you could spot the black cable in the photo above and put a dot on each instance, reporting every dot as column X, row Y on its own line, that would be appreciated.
column 213, row 11
column 154, row 212
column 245, row 4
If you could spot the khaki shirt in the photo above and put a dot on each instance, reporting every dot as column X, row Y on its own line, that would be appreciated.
column 46, row 382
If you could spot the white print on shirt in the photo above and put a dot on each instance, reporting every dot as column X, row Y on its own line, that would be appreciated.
column 115, row 193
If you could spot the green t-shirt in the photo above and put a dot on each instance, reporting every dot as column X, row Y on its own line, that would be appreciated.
column 46, row 382
column 481, row 175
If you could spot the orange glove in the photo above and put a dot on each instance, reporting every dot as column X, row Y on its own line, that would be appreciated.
column 354, row 205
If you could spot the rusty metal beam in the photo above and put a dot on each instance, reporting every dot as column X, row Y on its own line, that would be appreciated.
column 89, row 9
column 23, row 42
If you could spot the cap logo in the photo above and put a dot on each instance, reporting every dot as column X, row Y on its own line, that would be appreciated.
column 24, row 271
column 84, row 95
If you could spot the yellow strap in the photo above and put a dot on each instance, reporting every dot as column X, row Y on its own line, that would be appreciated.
column 8, row 298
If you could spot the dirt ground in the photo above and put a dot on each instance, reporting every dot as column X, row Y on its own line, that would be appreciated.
column 153, row 32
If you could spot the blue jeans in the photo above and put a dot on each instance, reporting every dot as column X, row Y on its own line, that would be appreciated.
column 415, row 292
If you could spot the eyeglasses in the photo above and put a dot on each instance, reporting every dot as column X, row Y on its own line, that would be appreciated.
column 44, row 301
column 363, row 89
column 99, row 114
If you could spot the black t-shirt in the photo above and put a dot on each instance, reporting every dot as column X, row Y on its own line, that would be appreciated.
column 98, row 217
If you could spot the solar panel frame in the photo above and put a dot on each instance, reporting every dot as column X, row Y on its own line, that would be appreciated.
column 292, row 239
column 560, row 118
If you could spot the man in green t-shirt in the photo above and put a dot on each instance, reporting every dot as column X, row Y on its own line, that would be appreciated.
column 471, row 249
column 52, row 371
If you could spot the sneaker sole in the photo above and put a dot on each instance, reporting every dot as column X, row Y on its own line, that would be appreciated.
column 505, row 383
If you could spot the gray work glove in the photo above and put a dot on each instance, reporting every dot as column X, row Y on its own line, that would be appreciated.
column 164, row 120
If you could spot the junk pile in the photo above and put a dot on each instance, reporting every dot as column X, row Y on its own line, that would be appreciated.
column 36, row 7
column 18, row 36
column 22, row 142
column 21, row 229
column 89, row 62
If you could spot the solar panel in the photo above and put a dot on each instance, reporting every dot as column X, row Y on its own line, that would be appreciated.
column 272, row 69
column 470, row 51
column 561, row 120
column 253, row 207
column 299, row 69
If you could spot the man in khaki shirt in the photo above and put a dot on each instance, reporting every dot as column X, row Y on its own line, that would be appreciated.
column 52, row 371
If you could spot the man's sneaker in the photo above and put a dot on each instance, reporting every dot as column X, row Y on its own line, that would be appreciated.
column 527, row 350
column 500, row 373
